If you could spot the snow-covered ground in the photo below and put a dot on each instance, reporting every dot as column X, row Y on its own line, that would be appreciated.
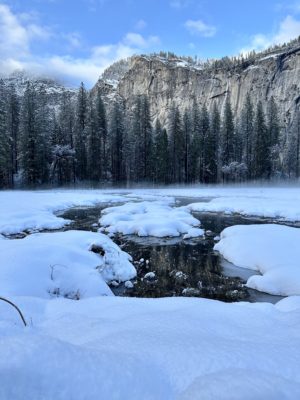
column 146, row 218
column 25, row 210
column 107, row 347
column 173, row 348
column 271, row 249
column 61, row 264
column 282, row 204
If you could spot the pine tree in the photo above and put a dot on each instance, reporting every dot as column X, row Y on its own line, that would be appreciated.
column 5, row 143
column 211, row 147
column 261, row 145
column 291, row 153
column 136, row 138
column 62, row 155
column 94, row 144
column 65, row 143
column 80, row 134
column 273, row 135
column 13, row 117
column 195, row 143
column 101, row 123
column 247, row 135
column 187, row 134
column 228, row 139
column 147, row 144
column 30, row 137
column 142, row 131
column 176, row 146
column 43, row 126
column 161, row 161
column 204, row 145
column 117, row 134
column 129, row 148
column 297, row 143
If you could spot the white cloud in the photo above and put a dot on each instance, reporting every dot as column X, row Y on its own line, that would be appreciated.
column 198, row 27
column 288, row 29
column 73, row 39
column 135, row 39
column 179, row 3
column 140, row 25
column 89, row 69
column 17, row 34
column 289, row 7
column 14, row 38
column 37, row 32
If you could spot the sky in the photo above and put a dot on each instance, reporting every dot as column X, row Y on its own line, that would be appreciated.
column 75, row 40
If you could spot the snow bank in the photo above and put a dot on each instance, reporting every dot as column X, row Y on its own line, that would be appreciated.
column 240, row 384
column 265, row 207
column 193, row 233
column 156, row 218
column 34, row 210
column 271, row 249
column 291, row 303
column 60, row 264
column 126, row 348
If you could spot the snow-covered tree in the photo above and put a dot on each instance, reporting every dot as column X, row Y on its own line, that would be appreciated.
column 34, row 144
column 6, row 167
column 13, row 119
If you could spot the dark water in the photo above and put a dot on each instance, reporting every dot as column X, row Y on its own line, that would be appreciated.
column 179, row 267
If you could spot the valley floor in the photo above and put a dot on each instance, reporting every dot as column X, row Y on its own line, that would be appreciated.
column 107, row 347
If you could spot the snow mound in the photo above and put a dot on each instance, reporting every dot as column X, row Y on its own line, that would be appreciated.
column 237, row 384
column 35, row 210
column 271, row 249
column 254, row 205
column 156, row 218
column 60, row 264
column 291, row 303
column 193, row 233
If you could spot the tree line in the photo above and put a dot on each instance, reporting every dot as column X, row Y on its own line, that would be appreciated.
column 81, row 141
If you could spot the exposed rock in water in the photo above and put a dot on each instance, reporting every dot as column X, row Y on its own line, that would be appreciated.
column 95, row 248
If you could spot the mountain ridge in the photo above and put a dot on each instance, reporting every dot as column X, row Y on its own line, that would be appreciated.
column 168, row 81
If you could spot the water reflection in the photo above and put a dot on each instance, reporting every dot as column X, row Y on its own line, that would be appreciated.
column 183, row 269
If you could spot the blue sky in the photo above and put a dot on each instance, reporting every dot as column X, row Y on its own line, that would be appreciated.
column 76, row 39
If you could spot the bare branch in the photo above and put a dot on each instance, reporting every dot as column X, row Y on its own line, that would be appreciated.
column 17, row 308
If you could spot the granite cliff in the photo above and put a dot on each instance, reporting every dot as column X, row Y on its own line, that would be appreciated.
column 175, row 80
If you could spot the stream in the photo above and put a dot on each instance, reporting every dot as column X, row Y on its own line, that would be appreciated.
column 177, row 267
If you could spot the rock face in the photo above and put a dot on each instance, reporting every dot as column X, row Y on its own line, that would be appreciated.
column 54, row 90
column 176, row 81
